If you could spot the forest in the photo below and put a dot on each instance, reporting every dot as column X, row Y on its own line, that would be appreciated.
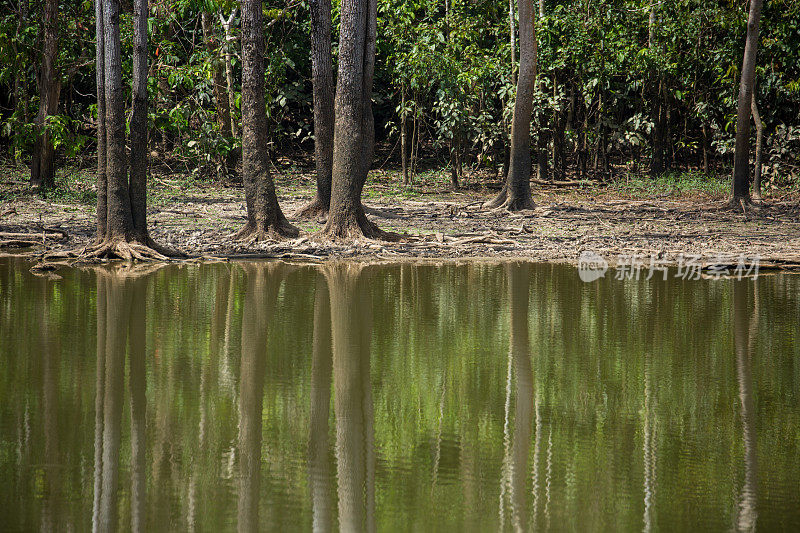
column 597, row 91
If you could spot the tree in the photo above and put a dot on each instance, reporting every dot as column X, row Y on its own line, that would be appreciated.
column 741, row 162
column 122, row 203
column 322, row 80
column 264, row 216
column 42, row 163
column 218, row 81
column 354, row 128
column 756, row 194
column 516, row 193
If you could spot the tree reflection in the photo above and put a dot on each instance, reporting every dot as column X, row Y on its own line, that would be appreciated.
column 263, row 282
column 351, row 326
column 319, row 460
column 744, row 329
column 518, row 447
column 121, row 319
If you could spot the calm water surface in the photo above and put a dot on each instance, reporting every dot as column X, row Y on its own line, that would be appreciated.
column 268, row 396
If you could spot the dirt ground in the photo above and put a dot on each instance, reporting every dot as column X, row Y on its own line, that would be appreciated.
column 435, row 223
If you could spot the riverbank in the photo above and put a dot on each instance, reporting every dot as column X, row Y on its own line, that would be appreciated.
column 661, row 221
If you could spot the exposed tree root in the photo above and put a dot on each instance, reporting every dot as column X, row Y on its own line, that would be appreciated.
column 498, row 200
column 314, row 210
column 356, row 227
column 741, row 204
column 252, row 233
column 122, row 249
column 518, row 204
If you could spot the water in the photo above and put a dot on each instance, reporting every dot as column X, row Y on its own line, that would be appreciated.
column 269, row 396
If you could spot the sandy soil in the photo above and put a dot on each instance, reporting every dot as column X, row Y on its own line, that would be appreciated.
column 566, row 223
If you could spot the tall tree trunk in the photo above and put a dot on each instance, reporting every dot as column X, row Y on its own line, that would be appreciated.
column 512, row 32
column 741, row 164
column 122, row 202
column 404, row 135
column 217, row 75
column 137, row 188
column 102, row 181
column 43, row 161
column 264, row 216
column 759, row 146
column 657, row 166
column 354, row 129
column 322, row 79
column 120, row 218
column 517, row 193
column 227, row 25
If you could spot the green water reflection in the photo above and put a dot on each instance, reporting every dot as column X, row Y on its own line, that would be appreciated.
column 270, row 396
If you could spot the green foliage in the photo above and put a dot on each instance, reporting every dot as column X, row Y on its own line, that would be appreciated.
column 447, row 72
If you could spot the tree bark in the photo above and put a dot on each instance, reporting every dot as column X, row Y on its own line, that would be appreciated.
column 137, row 187
column 102, row 181
column 517, row 193
column 122, row 202
column 218, row 81
column 120, row 218
column 354, row 129
column 323, row 83
column 759, row 146
column 264, row 216
column 43, row 160
column 741, row 165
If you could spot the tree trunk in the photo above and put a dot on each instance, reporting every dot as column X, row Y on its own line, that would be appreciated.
column 218, row 76
column 122, row 203
column 741, row 165
column 137, row 188
column 759, row 145
column 512, row 32
column 354, row 129
column 120, row 218
column 227, row 25
column 517, row 193
column 657, row 166
column 264, row 216
column 404, row 136
column 102, row 182
column 43, row 161
column 455, row 161
column 322, row 78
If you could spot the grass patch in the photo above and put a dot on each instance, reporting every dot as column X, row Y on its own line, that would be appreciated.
column 673, row 184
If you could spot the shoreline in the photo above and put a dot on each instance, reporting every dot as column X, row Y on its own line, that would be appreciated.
column 439, row 225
